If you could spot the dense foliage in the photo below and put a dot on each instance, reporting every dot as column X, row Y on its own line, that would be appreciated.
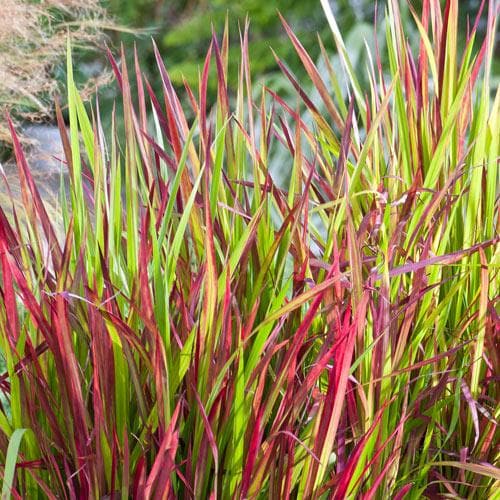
column 203, row 331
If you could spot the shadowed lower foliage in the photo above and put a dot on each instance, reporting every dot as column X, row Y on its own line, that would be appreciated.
column 204, row 332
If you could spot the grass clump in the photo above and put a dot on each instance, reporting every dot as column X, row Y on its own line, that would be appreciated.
column 203, row 332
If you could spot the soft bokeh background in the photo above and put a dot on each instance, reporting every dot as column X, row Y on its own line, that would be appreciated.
column 34, row 33
column 183, row 28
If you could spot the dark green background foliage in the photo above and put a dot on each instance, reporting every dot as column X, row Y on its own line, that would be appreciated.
column 183, row 29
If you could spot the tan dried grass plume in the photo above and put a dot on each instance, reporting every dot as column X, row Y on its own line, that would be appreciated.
column 32, row 41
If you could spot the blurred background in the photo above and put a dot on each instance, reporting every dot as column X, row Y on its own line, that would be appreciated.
column 183, row 28
column 33, row 38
